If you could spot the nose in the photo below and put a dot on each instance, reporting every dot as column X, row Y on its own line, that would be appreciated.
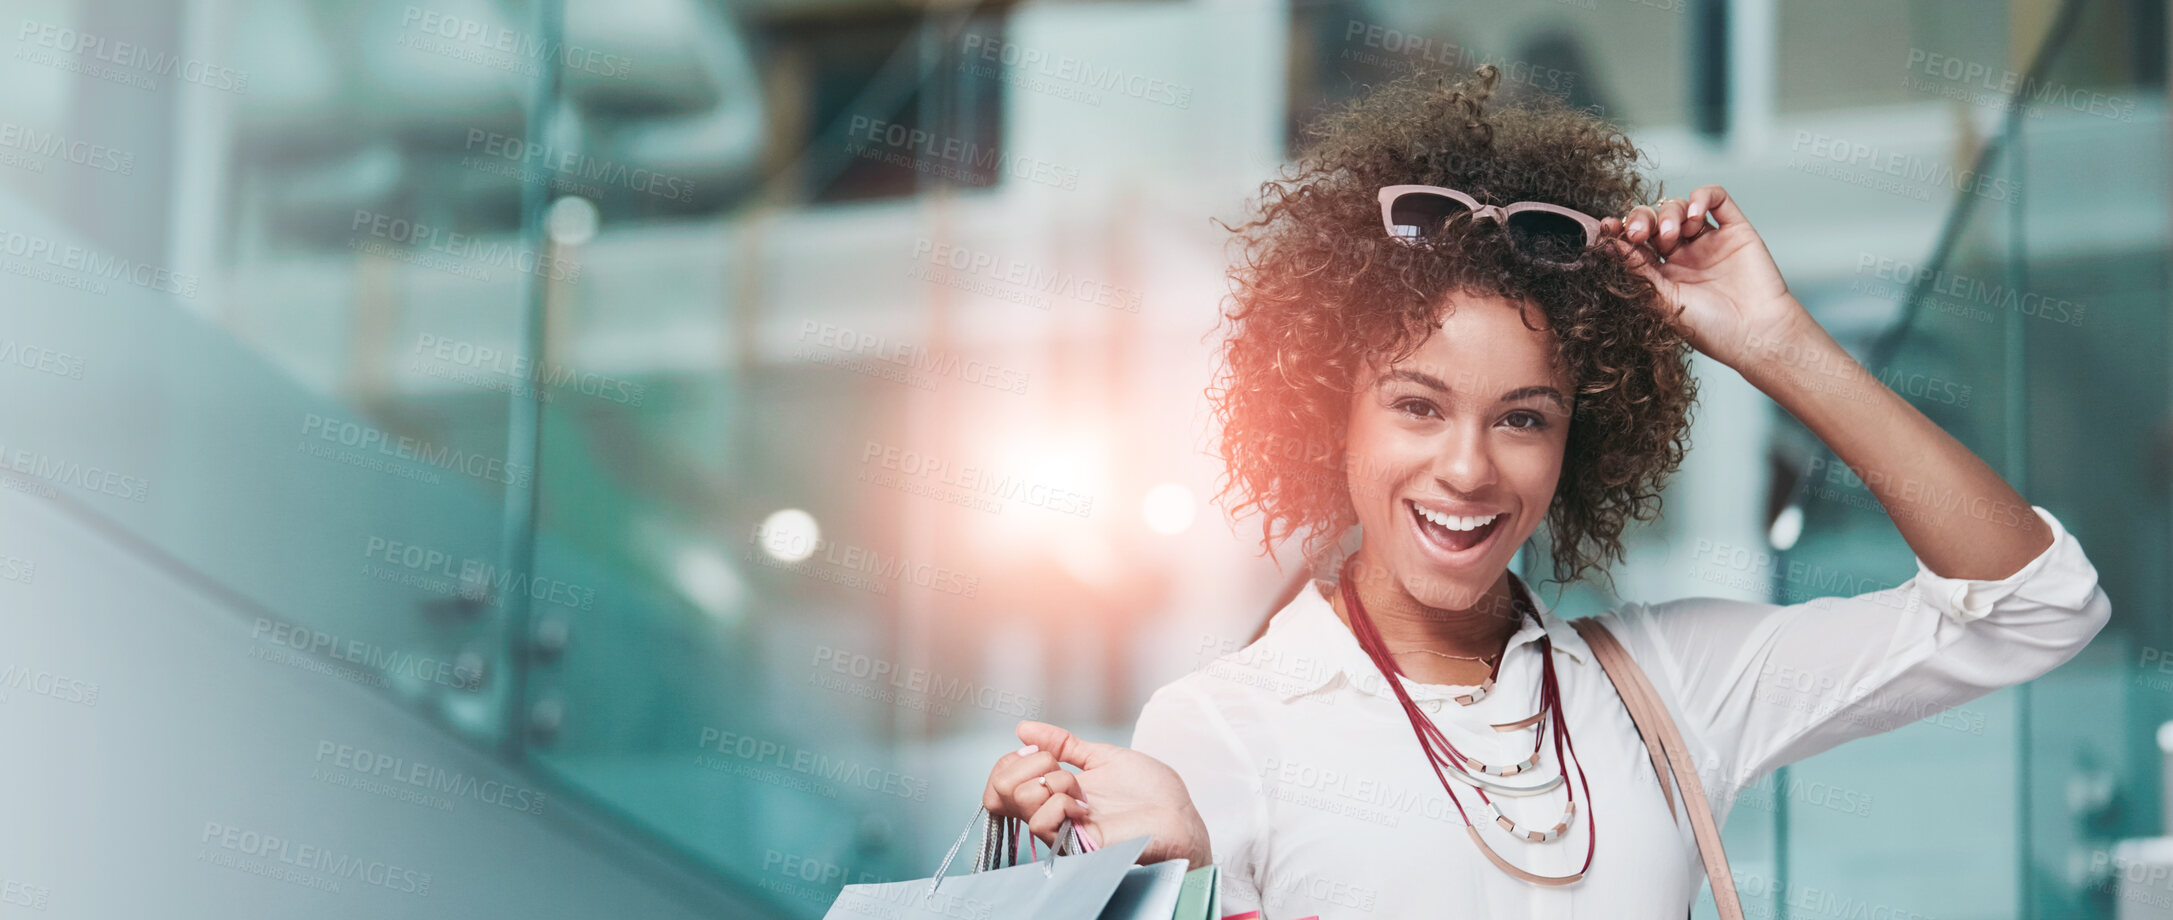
column 1464, row 462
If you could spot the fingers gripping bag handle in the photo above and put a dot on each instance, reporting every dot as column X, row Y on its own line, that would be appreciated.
column 1065, row 884
column 1000, row 839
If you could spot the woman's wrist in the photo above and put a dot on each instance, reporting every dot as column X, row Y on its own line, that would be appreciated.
column 1798, row 354
column 1787, row 338
column 1198, row 850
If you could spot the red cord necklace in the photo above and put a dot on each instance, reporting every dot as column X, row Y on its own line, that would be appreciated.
column 1441, row 754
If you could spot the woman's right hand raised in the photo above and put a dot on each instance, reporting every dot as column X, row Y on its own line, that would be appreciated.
column 1118, row 794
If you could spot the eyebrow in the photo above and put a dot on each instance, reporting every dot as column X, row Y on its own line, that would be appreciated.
column 1431, row 382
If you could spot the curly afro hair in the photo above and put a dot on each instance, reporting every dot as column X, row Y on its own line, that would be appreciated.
column 1320, row 292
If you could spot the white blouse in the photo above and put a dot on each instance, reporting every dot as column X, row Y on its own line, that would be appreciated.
column 1319, row 801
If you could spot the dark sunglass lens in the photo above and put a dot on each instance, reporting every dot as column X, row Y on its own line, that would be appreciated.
column 1547, row 235
column 1417, row 214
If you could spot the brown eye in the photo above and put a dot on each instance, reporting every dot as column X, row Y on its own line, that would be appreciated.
column 1535, row 420
column 1417, row 408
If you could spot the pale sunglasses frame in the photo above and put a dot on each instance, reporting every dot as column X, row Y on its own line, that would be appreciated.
column 1389, row 194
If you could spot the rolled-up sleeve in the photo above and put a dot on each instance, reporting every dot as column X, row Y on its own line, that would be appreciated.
column 1182, row 727
column 1768, row 685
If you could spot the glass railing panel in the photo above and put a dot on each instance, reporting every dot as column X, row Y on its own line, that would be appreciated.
column 695, row 697
column 2094, row 239
column 2054, row 279
column 297, row 252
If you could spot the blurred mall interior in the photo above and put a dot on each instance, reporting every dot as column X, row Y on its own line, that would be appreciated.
column 641, row 458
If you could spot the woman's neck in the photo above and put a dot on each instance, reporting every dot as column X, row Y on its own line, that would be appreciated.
column 1420, row 637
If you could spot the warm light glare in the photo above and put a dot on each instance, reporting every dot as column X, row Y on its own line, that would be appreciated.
column 1169, row 508
column 1047, row 481
column 1087, row 556
column 790, row 535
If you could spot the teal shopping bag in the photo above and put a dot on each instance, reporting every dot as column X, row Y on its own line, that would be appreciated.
column 1148, row 892
column 1201, row 898
column 1068, row 887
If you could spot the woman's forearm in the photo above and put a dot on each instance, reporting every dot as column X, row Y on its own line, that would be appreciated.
column 1957, row 515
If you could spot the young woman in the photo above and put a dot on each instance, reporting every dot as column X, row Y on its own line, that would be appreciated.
column 1438, row 337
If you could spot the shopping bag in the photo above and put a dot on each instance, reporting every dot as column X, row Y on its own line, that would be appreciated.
column 1059, row 887
column 1148, row 892
column 1201, row 898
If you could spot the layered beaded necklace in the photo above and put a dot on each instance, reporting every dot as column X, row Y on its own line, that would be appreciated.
column 1448, row 761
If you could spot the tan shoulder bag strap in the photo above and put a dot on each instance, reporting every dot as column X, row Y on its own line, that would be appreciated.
column 1658, row 728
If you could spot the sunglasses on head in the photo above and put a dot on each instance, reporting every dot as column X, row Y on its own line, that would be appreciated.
column 1543, row 232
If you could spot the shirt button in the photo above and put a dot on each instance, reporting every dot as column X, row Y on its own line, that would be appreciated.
column 1430, row 705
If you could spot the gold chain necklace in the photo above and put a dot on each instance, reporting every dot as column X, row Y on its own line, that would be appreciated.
column 1489, row 659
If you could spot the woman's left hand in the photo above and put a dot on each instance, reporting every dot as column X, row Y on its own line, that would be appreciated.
column 1726, row 295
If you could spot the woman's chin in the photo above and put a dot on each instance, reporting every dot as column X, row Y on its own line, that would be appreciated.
column 1458, row 590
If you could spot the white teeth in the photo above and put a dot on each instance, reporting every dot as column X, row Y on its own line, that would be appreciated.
column 1454, row 522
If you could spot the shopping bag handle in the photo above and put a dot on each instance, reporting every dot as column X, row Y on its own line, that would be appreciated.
column 1067, row 839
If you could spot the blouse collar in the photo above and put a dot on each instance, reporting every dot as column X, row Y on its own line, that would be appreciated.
column 1308, row 628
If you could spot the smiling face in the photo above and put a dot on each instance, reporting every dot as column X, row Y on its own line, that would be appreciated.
column 1454, row 451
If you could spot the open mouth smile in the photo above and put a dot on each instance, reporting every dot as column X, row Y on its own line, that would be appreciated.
column 1454, row 539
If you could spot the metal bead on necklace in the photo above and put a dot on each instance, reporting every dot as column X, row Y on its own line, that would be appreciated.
column 1446, row 761
column 1485, row 687
column 1483, row 769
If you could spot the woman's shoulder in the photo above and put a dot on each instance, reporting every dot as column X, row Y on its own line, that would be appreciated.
column 1295, row 655
column 1216, row 713
column 1234, row 690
